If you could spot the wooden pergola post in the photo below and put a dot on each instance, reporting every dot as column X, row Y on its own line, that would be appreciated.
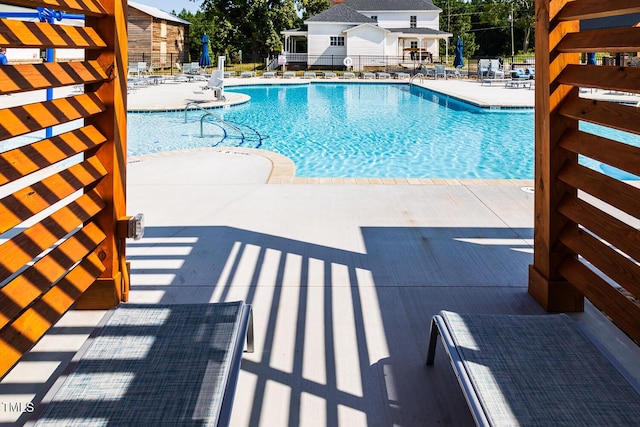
column 546, row 284
column 113, row 286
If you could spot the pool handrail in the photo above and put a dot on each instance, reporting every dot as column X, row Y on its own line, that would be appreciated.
column 208, row 113
column 416, row 76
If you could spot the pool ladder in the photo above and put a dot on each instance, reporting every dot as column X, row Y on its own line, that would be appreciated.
column 415, row 76
column 219, row 119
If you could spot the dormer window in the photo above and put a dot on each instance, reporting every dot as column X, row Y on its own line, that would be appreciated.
column 413, row 21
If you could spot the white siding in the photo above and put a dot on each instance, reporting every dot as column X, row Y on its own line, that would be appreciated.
column 401, row 19
column 366, row 40
column 319, row 39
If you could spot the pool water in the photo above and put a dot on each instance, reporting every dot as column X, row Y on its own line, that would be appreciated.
column 357, row 130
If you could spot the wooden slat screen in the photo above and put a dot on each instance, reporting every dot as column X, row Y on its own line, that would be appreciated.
column 61, row 191
column 587, row 219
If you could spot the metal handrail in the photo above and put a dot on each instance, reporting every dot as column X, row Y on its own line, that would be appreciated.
column 219, row 119
column 415, row 76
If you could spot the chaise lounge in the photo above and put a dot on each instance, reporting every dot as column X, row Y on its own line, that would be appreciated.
column 534, row 370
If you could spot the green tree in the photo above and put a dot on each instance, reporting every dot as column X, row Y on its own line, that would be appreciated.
column 502, row 13
column 311, row 8
column 253, row 26
column 456, row 18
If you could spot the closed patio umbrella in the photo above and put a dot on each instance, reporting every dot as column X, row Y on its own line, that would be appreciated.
column 458, row 61
column 205, row 61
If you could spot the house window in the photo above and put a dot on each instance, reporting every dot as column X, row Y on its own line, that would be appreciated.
column 337, row 41
column 163, row 29
column 414, row 45
column 413, row 21
column 375, row 18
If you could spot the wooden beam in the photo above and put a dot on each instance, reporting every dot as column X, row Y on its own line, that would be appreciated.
column 618, row 234
column 604, row 258
column 19, row 336
column 609, row 114
column 618, row 194
column 23, row 119
column 22, row 161
column 27, row 202
column 26, row 288
column 111, row 288
column 41, row 35
column 546, row 284
column 20, row 78
column 86, row 7
column 624, row 313
column 23, row 248
column 618, row 154
column 589, row 9
column 621, row 79
column 625, row 39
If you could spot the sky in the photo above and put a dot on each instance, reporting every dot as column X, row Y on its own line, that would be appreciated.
column 171, row 5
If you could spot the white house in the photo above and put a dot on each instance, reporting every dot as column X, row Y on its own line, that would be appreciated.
column 369, row 32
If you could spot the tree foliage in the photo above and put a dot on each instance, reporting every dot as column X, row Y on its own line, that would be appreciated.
column 254, row 26
column 456, row 19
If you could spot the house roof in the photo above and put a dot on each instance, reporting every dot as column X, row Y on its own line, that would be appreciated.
column 341, row 13
column 157, row 13
column 380, row 5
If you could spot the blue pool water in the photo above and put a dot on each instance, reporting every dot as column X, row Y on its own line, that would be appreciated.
column 357, row 130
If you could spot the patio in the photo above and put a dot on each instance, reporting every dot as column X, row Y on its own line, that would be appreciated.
column 343, row 280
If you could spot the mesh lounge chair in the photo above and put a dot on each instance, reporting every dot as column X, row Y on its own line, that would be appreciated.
column 368, row 75
column 309, row 75
column 288, row 74
column 383, row 75
column 510, row 367
column 269, row 74
column 440, row 71
column 329, row 75
column 348, row 75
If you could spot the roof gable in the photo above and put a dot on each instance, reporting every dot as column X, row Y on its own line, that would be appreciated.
column 391, row 5
column 341, row 13
column 157, row 13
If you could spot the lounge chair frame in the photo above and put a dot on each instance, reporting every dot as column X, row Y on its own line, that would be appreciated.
column 511, row 366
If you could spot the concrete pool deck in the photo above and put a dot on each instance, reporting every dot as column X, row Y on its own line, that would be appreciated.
column 343, row 280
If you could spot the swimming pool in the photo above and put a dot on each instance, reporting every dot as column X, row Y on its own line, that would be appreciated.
column 357, row 130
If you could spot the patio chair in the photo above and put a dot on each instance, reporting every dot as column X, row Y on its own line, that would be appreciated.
column 483, row 68
column 309, row 75
column 142, row 68
column 383, row 75
column 269, row 74
column 246, row 74
column 329, row 75
column 368, row 75
column 519, row 74
column 348, row 75
column 534, row 370
column 133, row 70
column 288, row 74
column 495, row 70
column 440, row 71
